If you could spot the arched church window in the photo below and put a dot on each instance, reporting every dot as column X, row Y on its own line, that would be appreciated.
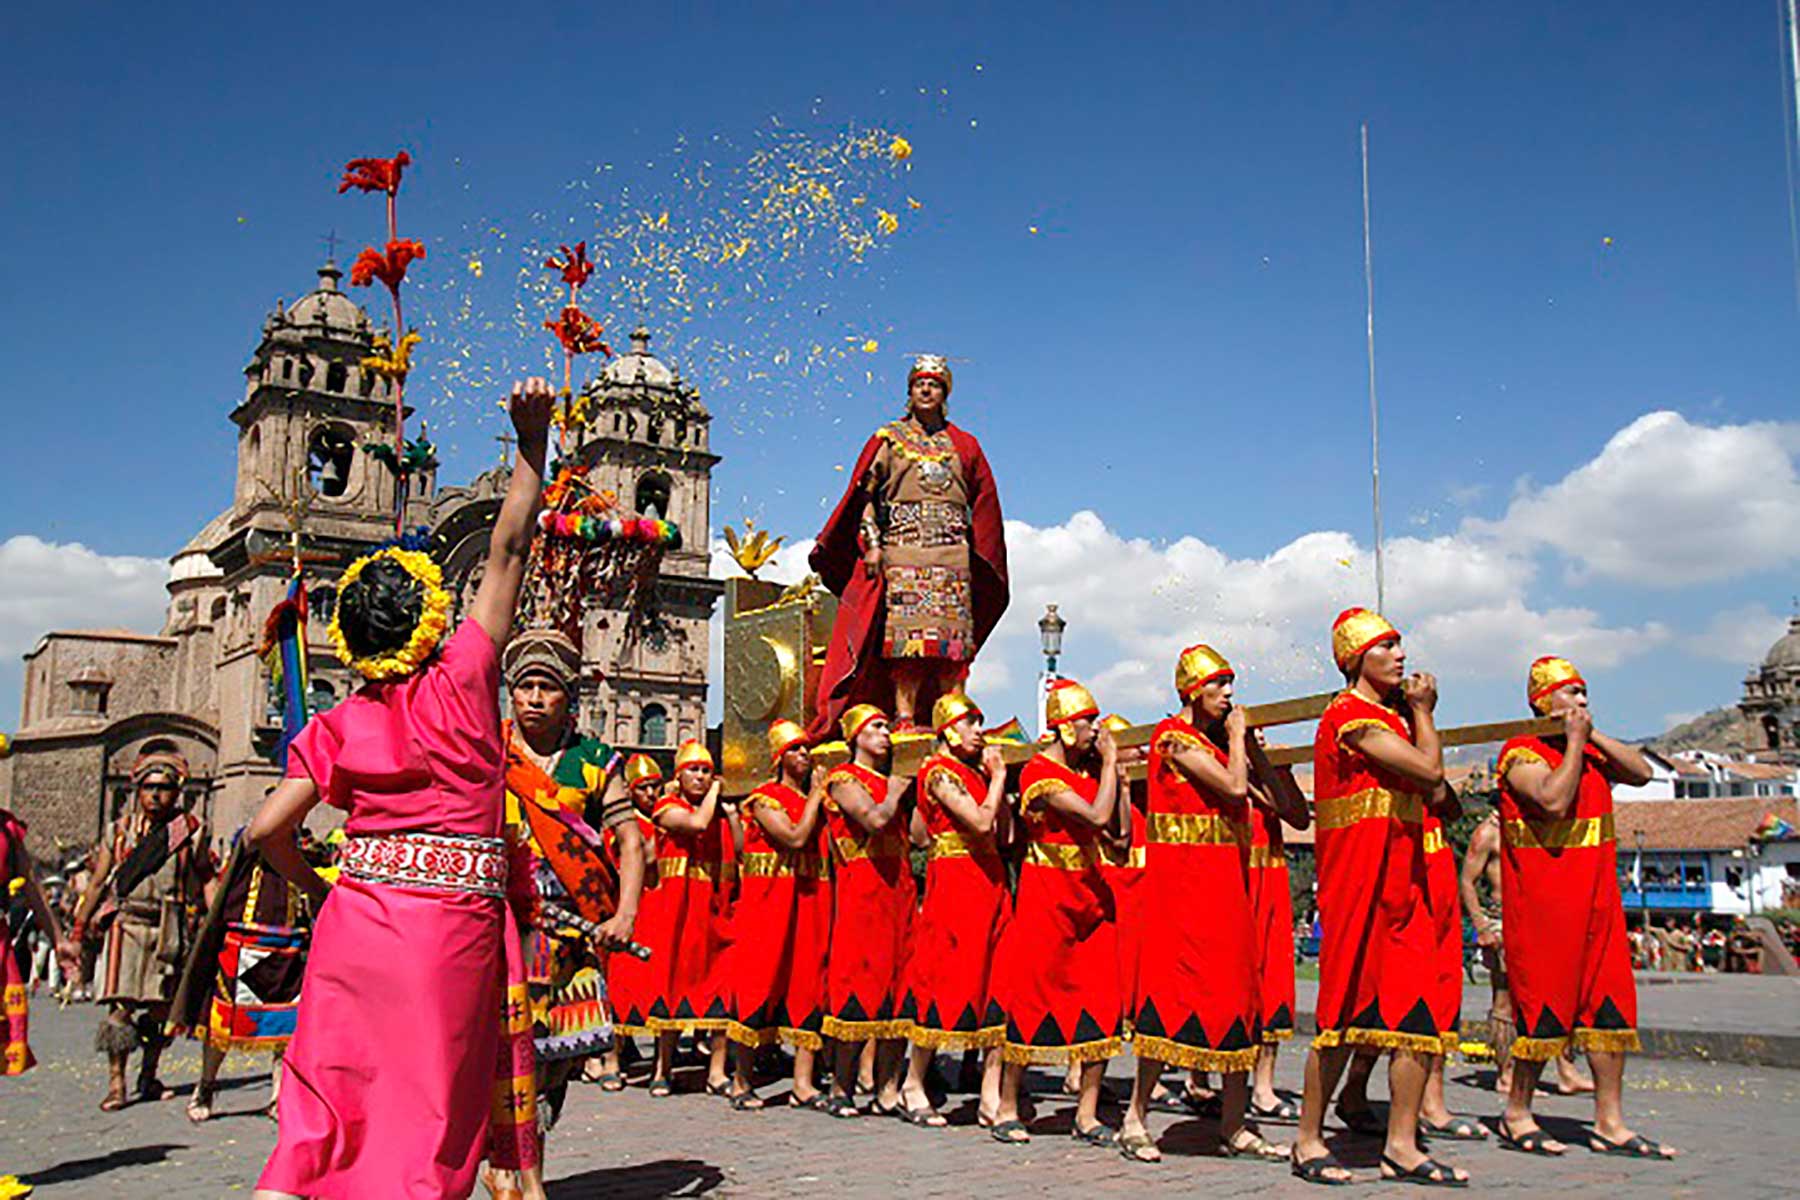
column 654, row 490
column 337, row 377
column 218, row 610
column 287, row 368
column 653, row 726
column 329, row 453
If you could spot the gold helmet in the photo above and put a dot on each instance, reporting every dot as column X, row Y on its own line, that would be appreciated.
column 691, row 753
column 1198, row 666
column 1355, row 630
column 640, row 767
column 950, row 708
column 784, row 735
column 1547, row 675
column 856, row 717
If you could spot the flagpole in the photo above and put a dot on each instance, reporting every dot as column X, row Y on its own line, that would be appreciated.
column 1374, row 404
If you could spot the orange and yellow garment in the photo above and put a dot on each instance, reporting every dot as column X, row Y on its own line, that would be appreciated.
column 781, row 927
column 958, row 927
column 1056, row 973
column 872, row 896
column 1381, row 947
column 1197, row 1003
column 1566, row 954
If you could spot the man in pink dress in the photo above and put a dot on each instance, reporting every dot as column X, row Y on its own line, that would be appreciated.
column 399, row 1043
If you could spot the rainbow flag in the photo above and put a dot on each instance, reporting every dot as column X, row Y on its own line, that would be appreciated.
column 283, row 649
column 1774, row 829
column 1012, row 732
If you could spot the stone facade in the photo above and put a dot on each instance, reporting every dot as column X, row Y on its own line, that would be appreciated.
column 1771, row 702
column 93, row 700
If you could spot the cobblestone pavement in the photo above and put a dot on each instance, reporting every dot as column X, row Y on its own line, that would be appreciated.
column 1734, row 1122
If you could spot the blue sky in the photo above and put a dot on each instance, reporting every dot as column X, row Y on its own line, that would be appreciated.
column 1177, row 348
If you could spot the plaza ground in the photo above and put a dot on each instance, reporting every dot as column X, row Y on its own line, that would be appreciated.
column 1734, row 1121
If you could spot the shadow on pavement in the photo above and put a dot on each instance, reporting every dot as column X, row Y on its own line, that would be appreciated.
column 666, row 1177
column 87, row 1168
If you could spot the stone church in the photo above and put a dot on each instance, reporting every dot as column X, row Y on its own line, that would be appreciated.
column 94, row 699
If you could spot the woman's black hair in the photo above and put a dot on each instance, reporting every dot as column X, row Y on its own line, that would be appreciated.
column 379, row 610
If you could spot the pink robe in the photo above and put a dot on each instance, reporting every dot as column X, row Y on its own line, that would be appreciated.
column 388, row 1079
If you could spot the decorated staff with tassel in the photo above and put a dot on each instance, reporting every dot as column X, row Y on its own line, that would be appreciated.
column 1056, row 972
column 963, row 817
column 398, row 1057
column 1566, row 954
column 1197, row 1002
column 152, row 879
column 782, row 921
column 1379, row 787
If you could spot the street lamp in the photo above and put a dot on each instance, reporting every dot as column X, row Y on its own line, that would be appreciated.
column 1050, row 635
column 1643, row 891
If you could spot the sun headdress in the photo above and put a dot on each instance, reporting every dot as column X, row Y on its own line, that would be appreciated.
column 427, row 634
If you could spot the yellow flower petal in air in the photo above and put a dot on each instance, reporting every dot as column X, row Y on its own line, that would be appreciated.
column 871, row 346
column 886, row 221
column 900, row 149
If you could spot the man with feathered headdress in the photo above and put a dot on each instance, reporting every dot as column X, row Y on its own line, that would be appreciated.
column 916, row 553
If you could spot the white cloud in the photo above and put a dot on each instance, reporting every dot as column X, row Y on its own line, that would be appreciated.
column 65, row 585
column 1739, row 635
column 1667, row 503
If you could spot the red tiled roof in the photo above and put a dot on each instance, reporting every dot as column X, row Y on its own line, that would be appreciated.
column 1697, row 824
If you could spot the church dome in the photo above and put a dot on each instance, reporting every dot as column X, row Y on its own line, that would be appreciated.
column 326, row 311
column 1785, row 653
column 638, row 365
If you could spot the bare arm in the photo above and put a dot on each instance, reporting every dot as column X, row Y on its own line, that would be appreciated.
column 856, row 803
column 1554, row 791
column 1099, row 813
column 96, row 888
column 618, row 928
column 676, row 819
column 1231, row 778
column 1483, row 844
column 1275, row 789
column 510, row 544
column 783, row 830
column 1624, row 764
column 273, row 832
column 978, row 816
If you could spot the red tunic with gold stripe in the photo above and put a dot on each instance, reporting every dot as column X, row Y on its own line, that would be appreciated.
column 691, row 927
column 1441, row 881
column 1272, row 910
column 630, row 983
column 872, row 897
column 1124, row 871
column 1056, row 973
column 780, row 930
column 1381, row 948
column 952, row 960
column 1197, row 959
column 1566, row 953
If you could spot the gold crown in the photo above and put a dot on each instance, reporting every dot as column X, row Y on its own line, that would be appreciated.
column 932, row 366
column 950, row 708
column 783, row 735
column 1198, row 666
column 1355, row 630
column 1068, row 701
column 855, row 718
column 692, row 752
column 1548, row 674
column 640, row 767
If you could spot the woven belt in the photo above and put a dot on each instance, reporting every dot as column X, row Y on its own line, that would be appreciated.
column 441, row 861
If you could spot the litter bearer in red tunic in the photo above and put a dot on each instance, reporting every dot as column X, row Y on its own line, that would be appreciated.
column 782, row 921
column 1056, row 973
column 873, row 894
column 916, row 551
column 1566, row 954
column 962, row 815
column 1378, row 780
column 1197, row 998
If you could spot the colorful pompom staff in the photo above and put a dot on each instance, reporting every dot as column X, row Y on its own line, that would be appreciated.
column 643, row 531
column 393, row 354
column 576, row 331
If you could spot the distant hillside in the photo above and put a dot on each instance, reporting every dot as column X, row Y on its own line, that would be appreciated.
column 1723, row 731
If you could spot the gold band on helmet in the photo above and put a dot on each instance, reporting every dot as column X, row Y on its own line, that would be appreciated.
column 1355, row 630
column 855, row 718
column 691, row 753
column 950, row 708
column 1198, row 666
column 930, row 366
column 640, row 767
column 783, row 736
column 1547, row 675
column 434, row 617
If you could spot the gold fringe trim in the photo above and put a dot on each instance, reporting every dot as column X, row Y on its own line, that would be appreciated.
column 1194, row 1058
column 1274, row 1037
column 862, row 1031
column 802, row 1039
column 1531, row 1049
column 1452, row 1040
column 743, row 1035
column 1608, row 1041
column 662, row 1025
column 1086, row 1052
column 1383, row 1039
column 953, row 1039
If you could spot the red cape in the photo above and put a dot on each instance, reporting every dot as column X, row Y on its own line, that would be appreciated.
column 853, row 672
